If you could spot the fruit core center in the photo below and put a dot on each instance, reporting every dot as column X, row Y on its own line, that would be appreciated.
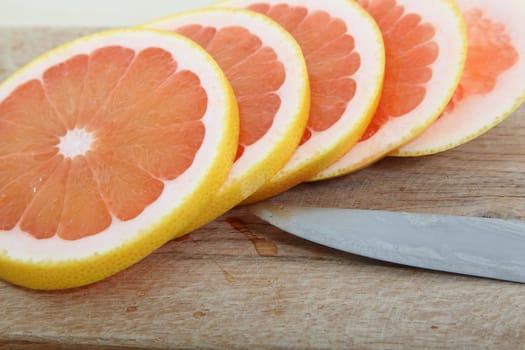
column 76, row 142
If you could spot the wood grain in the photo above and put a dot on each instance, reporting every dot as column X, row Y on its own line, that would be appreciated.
column 239, row 283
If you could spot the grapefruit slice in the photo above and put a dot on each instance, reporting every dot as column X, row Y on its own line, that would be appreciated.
column 425, row 43
column 493, row 83
column 110, row 144
column 268, row 74
column 344, row 54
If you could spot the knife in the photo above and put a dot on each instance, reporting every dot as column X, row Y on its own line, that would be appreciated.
column 483, row 247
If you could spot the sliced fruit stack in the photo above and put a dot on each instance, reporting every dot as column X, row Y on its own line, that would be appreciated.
column 118, row 142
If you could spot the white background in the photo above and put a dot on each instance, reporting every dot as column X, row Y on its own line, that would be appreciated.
column 105, row 13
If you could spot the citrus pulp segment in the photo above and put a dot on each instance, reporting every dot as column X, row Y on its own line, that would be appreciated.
column 268, row 74
column 425, row 43
column 344, row 54
column 110, row 145
column 493, row 83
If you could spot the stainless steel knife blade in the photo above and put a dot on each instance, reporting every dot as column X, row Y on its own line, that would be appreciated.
column 484, row 247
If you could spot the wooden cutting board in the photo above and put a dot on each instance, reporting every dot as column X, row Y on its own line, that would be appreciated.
column 241, row 283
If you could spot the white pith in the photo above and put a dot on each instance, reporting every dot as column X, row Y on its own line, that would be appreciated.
column 369, row 76
column 76, row 142
column 291, row 92
column 445, row 72
column 19, row 245
column 478, row 113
